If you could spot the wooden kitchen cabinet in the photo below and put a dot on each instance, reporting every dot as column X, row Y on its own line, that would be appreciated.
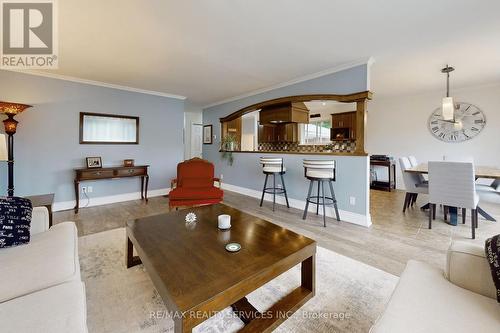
column 285, row 113
column 290, row 132
column 232, row 127
column 345, row 120
column 278, row 133
column 267, row 134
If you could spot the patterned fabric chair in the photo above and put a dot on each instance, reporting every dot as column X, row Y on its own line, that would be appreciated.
column 194, row 184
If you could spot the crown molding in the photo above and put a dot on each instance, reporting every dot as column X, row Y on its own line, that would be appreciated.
column 364, row 61
column 96, row 83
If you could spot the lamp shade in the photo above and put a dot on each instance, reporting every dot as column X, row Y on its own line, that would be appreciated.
column 10, row 108
column 448, row 108
column 3, row 148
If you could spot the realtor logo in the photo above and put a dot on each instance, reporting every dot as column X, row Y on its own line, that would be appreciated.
column 29, row 34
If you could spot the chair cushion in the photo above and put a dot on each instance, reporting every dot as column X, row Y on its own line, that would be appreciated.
column 58, row 309
column 273, row 168
column 424, row 301
column 318, row 173
column 15, row 220
column 50, row 258
column 183, row 193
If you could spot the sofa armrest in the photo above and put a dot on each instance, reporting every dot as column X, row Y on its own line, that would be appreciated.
column 467, row 267
column 39, row 220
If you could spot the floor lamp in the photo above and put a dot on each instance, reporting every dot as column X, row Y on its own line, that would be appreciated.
column 11, row 109
column 3, row 149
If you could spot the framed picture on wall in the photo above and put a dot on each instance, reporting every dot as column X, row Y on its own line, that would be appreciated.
column 207, row 134
column 94, row 162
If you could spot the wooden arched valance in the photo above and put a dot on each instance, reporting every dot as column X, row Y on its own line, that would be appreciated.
column 350, row 98
column 359, row 98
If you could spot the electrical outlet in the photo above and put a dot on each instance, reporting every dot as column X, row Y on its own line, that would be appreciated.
column 84, row 189
column 89, row 189
column 352, row 201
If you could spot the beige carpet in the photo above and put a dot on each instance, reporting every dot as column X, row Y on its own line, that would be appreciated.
column 349, row 296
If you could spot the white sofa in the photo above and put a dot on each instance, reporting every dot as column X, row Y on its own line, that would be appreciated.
column 461, row 299
column 40, row 285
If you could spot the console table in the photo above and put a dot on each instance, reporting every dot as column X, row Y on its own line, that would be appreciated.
column 391, row 171
column 85, row 174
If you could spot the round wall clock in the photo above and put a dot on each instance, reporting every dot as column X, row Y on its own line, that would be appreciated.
column 469, row 121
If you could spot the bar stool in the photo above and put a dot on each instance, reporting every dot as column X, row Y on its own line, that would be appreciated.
column 273, row 166
column 321, row 171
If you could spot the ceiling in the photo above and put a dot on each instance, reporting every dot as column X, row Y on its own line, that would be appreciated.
column 213, row 50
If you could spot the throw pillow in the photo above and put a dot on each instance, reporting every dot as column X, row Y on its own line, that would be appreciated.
column 492, row 249
column 15, row 221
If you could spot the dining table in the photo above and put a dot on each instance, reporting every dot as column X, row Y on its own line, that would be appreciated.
column 479, row 172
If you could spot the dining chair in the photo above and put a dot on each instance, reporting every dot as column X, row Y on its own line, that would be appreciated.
column 453, row 184
column 414, row 184
column 414, row 163
column 413, row 160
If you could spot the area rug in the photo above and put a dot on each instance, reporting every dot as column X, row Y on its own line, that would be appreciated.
column 349, row 295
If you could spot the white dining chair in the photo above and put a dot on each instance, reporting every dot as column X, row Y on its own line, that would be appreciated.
column 414, row 183
column 414, row 163
column 453, row 184
column 413, row 160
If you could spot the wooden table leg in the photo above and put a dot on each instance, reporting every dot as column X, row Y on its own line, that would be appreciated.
column 146, row 188
column 180, row 327
column 130, row 259
column 245, row 310
column 142, row 187
column 308, row 273
column 77, row 195
column 49, row 208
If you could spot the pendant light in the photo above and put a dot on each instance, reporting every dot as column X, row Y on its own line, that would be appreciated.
column 448, row 107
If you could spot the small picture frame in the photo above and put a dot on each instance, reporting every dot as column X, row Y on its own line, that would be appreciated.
column 128, row 162
column 94, row 162
column 207, row 134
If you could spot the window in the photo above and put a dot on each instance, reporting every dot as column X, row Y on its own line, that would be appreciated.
column 102, row 128
column 315, row 133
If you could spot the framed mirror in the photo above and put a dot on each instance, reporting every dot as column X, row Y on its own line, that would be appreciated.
column 100, row 128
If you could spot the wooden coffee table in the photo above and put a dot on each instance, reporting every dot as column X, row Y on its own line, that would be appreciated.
column 196, row 276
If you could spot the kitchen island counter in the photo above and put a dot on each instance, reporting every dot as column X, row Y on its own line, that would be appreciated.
column 323, row 153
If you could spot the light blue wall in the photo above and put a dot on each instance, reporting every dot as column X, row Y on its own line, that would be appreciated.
column 47, row 143
column 352, row 172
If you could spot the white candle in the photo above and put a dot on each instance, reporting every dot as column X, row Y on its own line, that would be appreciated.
column 224, row 221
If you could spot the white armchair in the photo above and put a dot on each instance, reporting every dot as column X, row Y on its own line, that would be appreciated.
column 467, row 267
column 39, row 220
column 461, row 299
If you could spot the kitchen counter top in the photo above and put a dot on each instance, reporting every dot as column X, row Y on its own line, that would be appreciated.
column 300, row 152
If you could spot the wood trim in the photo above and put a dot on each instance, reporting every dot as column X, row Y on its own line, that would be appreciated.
column 360, row 126
column 82, row 114
column 346, row 112
column 350, row 98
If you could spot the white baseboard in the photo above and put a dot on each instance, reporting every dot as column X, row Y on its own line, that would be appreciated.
column 346, row 216
column 98, row 201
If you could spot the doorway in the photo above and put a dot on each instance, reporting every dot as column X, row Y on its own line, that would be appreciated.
column 196, row 140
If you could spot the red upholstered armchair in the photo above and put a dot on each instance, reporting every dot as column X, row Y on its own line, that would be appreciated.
column 194, row 184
